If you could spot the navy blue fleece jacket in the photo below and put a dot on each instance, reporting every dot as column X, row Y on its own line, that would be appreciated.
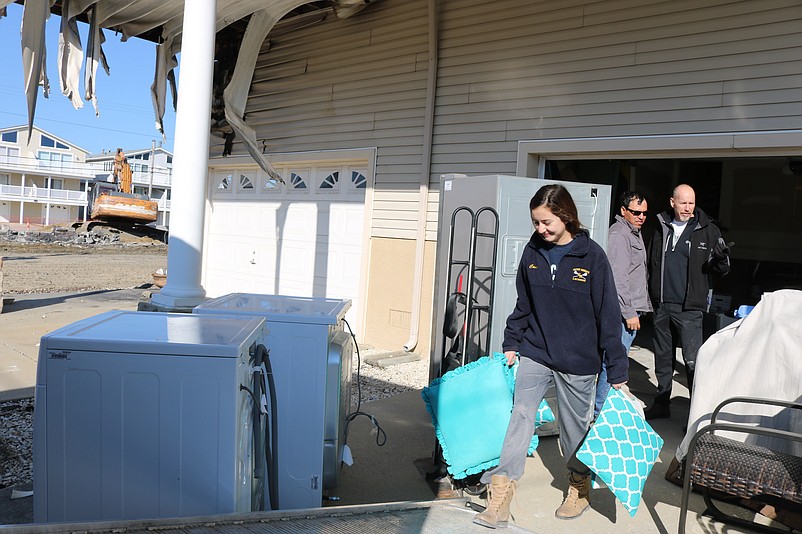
column 568, row 324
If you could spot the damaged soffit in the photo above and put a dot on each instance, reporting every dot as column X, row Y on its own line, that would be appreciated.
column 159, row 21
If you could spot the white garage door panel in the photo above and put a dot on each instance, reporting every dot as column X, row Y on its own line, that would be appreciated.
column 246, row 217
column 297, row 265
column 300, row 222
column 268, row 220
column 343, row 272
column 290, row 240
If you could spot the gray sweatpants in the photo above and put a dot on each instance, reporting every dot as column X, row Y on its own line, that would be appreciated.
column 575, row 397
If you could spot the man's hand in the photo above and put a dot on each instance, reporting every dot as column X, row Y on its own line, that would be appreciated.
column 511, row 357
column 619, row 386
column 722, row 249
column 634, row 323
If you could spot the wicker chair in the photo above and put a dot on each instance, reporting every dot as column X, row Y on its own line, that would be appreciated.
column 718, row 464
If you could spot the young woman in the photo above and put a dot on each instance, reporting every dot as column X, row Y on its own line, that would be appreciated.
column 565, row 321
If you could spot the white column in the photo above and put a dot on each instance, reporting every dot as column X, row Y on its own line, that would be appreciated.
column 190, row 160
column 22, row 199
column 49, row 192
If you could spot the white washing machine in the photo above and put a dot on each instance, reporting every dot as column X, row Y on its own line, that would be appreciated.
column 145, row 415
column 310, row 355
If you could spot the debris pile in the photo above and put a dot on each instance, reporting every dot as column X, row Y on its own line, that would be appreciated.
column 82, row 236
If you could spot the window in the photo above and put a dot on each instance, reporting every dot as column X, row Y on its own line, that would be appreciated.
column 52, row 143
column 224, row 182
column 169, row 159
column 271, row 184
column 245, row 182
column 359, row 180
column 9, row 154
column 332, row 181
column 56, row 183
column 297, row 181
column 53, row 160
column 5, row 179
column 9, row 137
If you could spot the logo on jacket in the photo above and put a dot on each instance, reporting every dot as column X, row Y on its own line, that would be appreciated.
column 532, row 266
column 702, row 245
column 580, row 275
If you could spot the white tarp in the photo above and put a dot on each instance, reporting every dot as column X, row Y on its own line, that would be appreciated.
column 32, row 40
column 94, row 57
column 70, row 55
column 235, row 95
column 132, row 18
column 758, row 356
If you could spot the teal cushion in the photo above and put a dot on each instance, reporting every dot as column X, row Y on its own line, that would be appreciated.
column 470, row 409
column 621, row 449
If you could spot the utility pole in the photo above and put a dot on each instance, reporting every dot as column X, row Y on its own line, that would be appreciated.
column 152, row 163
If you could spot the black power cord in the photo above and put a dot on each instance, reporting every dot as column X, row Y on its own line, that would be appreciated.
column 381, row 436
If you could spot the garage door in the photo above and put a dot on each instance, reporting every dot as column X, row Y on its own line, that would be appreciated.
column 300, row 238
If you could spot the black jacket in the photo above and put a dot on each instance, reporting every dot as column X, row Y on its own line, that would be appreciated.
column 701, row 262
column 569, row 323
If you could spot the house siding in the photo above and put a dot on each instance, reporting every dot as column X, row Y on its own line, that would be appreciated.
column 513, row 70
column 349, row 84
column 518, row 70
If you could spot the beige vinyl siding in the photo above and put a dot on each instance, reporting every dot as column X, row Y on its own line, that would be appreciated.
column 517, row 70
column 513, row 70
column 350, row 84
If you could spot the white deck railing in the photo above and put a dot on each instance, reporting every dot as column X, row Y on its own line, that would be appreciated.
column 41, row 194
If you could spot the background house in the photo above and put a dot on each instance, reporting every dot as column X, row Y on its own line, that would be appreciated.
column 43, row 182
column 151, row 173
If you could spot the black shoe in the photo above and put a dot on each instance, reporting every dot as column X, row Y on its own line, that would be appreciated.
column 657, row 411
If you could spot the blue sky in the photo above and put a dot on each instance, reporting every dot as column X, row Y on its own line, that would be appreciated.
column 126, row 115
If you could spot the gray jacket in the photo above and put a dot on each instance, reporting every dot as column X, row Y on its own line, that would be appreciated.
column 627, row 255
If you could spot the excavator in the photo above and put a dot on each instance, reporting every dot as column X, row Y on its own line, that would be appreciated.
column 107, row 201
column 114, row 203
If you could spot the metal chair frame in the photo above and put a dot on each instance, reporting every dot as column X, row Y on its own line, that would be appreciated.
column 712, row 509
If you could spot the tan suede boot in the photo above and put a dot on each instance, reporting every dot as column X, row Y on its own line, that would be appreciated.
column 499, row 495
column 578, row 498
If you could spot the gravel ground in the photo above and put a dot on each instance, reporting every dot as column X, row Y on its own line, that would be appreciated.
column 16, row 441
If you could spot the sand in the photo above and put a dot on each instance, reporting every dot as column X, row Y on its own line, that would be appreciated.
column 55, row 269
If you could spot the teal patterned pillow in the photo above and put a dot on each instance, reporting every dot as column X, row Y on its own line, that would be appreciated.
column 621, row 449
column 472, row 397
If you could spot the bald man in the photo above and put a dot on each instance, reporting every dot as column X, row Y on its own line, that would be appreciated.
column 685, row 251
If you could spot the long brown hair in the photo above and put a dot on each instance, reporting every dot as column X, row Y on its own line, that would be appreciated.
column 558, row 200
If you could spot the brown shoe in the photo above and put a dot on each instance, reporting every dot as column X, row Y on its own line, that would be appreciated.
column 578, row 498
column 499, row 495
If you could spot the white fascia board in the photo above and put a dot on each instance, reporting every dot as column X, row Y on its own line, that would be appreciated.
column 660, row 146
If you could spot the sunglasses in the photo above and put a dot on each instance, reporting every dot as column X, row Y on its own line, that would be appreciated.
column 637, row 213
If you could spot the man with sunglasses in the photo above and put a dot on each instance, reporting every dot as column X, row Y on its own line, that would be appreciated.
column 627, row 256
column 686, row 250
